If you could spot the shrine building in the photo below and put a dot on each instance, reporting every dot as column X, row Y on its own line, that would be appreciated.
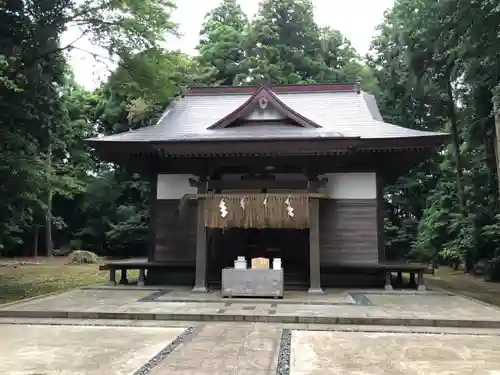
column 294, row 172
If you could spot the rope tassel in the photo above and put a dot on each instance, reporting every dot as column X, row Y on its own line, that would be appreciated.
column 223, row 208
column 289, row 207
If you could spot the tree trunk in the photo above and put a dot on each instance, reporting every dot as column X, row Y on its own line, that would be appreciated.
column 496, row 113
column 35, row 242
column 456, row 147
column 490, row 158
column 484, row 104
column 49, row 245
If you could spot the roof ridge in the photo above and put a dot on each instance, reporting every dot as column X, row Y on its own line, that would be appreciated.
column 278, row 89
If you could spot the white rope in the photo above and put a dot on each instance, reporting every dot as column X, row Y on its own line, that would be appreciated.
column 223, row 208
column 289, row 208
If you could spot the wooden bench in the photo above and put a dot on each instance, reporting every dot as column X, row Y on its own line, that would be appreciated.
column 142, row 264
column 416, row 271
column 413, row 269
column 125, row 265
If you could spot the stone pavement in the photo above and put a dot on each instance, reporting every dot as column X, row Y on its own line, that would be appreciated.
column 371, row 307
column 121, row 347
column 148, row 331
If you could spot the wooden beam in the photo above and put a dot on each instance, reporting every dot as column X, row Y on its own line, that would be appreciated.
column 314, row 250
column 211, row 195
column 256, row 184
column 315, row 185
column 153, row 180
column 200, row 285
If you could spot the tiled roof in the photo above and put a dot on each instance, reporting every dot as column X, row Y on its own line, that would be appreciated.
column 339, row 113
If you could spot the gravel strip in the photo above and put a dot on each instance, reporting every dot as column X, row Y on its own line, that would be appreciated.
column 361, row 299
column 284, row 353
column 153, row 296
column 184, row 337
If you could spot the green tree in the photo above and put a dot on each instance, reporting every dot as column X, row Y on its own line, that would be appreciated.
column 283, row 43
column 436, row 64
column 114, row 209
column 221, row 54
column 42, row 157
column 31, row 114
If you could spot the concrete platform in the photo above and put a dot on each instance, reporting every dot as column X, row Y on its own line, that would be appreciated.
column 72, row 350
column 123, row 347
column 356, row 307
column 321, row 353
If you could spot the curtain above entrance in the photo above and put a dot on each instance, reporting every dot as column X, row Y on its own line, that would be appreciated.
column 257, row 211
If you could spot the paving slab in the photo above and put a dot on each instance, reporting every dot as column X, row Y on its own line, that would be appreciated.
column 364, row 307
column 241, row 348
column 321, row 353
column 79, row 350
column 173, row 294
column 226, row 348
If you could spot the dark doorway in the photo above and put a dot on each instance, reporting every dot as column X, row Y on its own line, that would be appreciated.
column 291, row 245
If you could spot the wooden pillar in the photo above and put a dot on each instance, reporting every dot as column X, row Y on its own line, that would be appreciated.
column 388, row 281
column 200, row 285
column 123, row 279
column 399, row 279
column 314, row 185
column 412, row 279
column 142, row 277
column 420, row 280
column 112, row 276
column 152, row 217
column 314, row 255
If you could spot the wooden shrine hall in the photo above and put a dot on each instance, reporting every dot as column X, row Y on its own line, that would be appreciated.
column 288, row 172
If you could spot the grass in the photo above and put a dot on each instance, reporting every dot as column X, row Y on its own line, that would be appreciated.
column 465, row 284
column 18, row 280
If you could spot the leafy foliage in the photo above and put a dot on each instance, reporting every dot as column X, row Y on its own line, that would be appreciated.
column 430, row 77
column 221, row 53
column 285, row 45
column 434, row 66
column 45, row 115
column 83, row 257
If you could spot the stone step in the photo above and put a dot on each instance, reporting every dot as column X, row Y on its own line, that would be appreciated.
column 261, row 318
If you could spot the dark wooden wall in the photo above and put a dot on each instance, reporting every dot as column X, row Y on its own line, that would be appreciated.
column 349, row 231
column 175, row 241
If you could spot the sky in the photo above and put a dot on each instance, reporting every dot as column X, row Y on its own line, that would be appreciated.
column 356, row 19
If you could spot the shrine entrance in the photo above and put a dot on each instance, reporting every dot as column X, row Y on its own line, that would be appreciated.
column 288, row 244
column 258, row 226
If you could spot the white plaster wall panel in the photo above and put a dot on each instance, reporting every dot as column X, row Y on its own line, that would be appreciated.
column 351, row 185
column 174, row 186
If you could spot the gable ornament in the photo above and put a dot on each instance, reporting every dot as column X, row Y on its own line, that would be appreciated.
column 263, row 102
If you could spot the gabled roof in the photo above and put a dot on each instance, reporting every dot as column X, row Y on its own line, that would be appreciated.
column 263, row 97
column 323, row 111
